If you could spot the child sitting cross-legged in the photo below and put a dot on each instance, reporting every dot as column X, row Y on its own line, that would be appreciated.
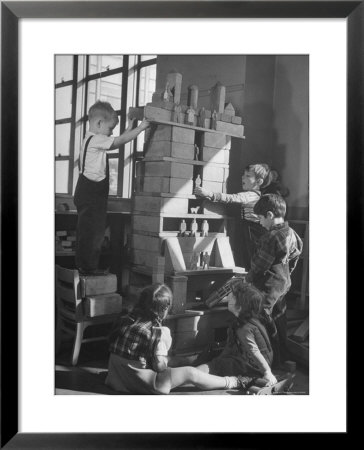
column 139, row 344
column 248, row 350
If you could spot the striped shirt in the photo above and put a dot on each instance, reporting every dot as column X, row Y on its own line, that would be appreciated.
column 247, row 200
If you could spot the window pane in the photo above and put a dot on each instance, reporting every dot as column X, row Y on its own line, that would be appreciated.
column 113, row 166
column 146, row 84
column 63, row 136
column 63, row 102
column 101, row 63
column 140, row 142
column 64, row 68
column 107, row 89
column 62, row 177
column 147, row 57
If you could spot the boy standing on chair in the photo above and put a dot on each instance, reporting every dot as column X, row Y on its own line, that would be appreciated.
column 273, row 262
column 92, row 188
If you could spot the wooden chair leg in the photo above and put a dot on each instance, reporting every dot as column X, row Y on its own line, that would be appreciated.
column 77, row 343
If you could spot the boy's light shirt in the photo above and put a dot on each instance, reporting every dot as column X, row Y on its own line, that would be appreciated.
column 95, row 164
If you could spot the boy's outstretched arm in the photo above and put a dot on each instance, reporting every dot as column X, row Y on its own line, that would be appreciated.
column 129, row 134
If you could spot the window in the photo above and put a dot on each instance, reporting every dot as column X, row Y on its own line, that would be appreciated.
column 80, row 80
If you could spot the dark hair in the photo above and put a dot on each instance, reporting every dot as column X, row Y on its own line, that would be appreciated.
column 154, row 301
column 248, row 298
column 271, row 202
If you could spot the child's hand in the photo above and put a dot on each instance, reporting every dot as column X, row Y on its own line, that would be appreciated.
column 144, row 125
column 130, row 123
column 270, row 378
column 201, row 192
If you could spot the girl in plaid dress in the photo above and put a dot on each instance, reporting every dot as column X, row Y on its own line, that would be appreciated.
column 139, row 344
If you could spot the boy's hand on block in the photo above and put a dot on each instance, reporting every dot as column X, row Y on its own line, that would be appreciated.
column 144, row 125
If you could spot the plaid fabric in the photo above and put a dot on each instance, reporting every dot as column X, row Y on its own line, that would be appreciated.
column 135, row 339
column 280, row 245
column 247, row 199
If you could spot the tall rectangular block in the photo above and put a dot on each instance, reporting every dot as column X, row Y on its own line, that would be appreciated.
column 213, row 173
column 178, row 186
column 170, row 149
column 216, row 140
column 167, row 169
column 160, row 204
column 153, row 113
column 142, row 242
column 152, row 224
column 173, row 134
column 212, row 186
column 215, row 155
column 95, row 285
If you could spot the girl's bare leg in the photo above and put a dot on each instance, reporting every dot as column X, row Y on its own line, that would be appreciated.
column 198, row 378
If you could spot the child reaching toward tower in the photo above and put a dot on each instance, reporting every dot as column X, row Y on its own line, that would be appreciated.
column 139, row 345
column 256, row 180
column 92, row 188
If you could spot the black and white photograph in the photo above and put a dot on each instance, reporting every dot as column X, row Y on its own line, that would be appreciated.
column 182, row 224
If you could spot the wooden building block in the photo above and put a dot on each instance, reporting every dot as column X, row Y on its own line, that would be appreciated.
column 178, row 186
column 174, row 134
column 99, row 305
column 301, row 334
column 217, row 97
column 215, row 155
column 212, row 186
column 145, row 223
column 230, row 128
column 173, row 255
column 143, row 257
column 229, row 110
column 213, row 173
column 213, row 208
column 174, row 80
column 158, row 270
column 192, row 96
column 167, row 169
column 236, row 120
column 178, row 285
column 95, row 285
column 162, row 104
column 225, row 117
column 224, row 256
column 170, row 149
column 160, row 204
column 142, row 242
column 216, row 140
column 136, row 113
column 152, row 113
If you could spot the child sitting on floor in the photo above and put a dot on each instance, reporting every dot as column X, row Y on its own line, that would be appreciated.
column 139, row 345
column 248, row 350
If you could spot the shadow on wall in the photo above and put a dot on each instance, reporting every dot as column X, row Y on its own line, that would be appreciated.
column 289, row 145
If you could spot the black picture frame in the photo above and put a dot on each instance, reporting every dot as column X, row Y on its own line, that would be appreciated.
column 11, row 12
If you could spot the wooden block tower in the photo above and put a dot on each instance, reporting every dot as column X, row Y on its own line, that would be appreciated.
column 177, row 237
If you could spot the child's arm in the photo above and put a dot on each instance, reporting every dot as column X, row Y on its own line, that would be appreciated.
column 247, row 339
column 129, row 134
column 160, row 360
column 241, row 197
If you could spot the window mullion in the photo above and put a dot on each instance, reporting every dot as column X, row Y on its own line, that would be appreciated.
column 123, row 115
column 73, row 125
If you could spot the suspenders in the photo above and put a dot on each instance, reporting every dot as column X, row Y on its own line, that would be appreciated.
column 84, row 159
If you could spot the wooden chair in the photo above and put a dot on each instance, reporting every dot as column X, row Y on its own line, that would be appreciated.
column 78, row 309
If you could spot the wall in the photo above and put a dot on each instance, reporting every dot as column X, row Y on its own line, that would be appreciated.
column 290, row 130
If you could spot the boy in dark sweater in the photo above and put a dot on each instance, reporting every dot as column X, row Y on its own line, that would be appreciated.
column 274, row 260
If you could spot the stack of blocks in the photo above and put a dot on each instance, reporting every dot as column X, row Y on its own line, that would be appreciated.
column 99, row 295
column 184, row 144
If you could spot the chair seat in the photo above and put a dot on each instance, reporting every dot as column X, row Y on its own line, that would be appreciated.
column 100, row 305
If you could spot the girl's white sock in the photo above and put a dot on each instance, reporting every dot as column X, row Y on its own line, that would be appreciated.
column 231, row 382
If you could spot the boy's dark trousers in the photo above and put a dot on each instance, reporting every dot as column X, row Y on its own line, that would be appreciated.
column 91, row 202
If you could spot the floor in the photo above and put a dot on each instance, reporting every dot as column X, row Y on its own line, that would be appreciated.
column 87, row 378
